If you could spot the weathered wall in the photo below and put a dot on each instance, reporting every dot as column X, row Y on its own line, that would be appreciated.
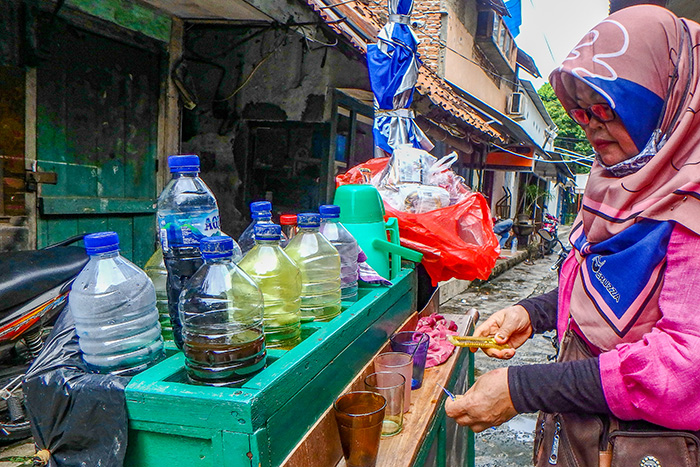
column 275, row 76
column 460, row 25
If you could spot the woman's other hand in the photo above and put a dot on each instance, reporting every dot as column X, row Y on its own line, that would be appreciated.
column 508, row 326
column 487, row 403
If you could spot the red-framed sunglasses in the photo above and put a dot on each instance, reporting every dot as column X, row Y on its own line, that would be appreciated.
column 602, row 112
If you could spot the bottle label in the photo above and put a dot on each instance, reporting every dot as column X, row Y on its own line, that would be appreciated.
column 175, row 232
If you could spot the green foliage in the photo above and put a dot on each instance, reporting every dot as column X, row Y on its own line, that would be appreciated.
column 570, row 135
column 533, row 194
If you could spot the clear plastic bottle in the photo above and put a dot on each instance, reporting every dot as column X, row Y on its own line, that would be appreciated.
column 187, row 212
column 288, row 222
column 345, row 243
column 260, row 213
column 113, row 303
column 155, row 270
column 221, row 310
column 319, row 264
column 279, row 280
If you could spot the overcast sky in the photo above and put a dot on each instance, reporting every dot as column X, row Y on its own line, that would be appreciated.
column 551, row 28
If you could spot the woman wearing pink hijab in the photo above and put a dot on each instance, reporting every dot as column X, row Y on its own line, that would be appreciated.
column 626, row 387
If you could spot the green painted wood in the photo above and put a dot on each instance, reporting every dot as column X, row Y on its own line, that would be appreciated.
column 277, row 406
column 73, row 205
column 97, row 117
column 128, row 14
column 168, row 449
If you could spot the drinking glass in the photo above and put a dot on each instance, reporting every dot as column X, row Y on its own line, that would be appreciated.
column 415, row 344
column 391, row 386
column 397, row 362
column 359, row 416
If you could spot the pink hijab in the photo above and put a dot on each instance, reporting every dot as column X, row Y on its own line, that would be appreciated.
column 630, row 58
column 644, row 61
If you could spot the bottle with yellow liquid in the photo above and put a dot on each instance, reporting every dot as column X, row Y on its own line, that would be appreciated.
column 319, row 264
column 155, row 269
column 279, row 280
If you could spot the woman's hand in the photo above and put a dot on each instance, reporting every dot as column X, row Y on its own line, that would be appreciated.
column 508, row 326
column 487, row 403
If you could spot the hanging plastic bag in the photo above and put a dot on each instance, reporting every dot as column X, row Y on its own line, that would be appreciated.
column 456, row 241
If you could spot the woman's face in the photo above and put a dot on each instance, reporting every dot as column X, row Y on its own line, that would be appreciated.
column 610, row 139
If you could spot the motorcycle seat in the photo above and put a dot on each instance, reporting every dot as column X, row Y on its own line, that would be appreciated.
column 27, row 274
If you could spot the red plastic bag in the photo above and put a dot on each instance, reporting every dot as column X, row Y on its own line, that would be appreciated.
column 456, row 241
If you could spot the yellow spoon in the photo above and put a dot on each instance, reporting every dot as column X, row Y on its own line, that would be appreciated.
column 476, row 342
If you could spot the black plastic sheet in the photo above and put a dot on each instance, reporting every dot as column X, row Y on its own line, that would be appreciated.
column 80, row 417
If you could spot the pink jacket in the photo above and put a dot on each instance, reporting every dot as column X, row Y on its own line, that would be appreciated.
column 656, row 378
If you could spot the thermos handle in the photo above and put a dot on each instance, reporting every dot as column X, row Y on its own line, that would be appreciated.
column 394, row 247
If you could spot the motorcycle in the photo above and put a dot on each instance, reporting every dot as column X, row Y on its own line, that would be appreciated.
column 549, row 224
column 34, row 288
column 547, row 237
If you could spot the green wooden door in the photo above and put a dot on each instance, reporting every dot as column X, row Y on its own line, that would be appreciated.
column 97, row 109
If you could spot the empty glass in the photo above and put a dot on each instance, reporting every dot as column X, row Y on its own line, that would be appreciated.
column 391, row 386
column 397, row 362
column 416, row 344
column 359, row 416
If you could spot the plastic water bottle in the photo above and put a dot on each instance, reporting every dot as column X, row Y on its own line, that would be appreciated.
column 155, row 270
column 221, row 310
column 514, row 245
column 279, row 280
column 113, row 303
column 260, row 213
column 288, row 222
column 187, row 212
column 345, row 243
column 319, row 264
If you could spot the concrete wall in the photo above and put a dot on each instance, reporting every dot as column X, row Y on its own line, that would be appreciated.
column 292, row 81
column 460, row 23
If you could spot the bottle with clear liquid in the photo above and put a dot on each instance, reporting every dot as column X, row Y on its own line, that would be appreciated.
column 347, row 247
column 319, row 264
column 113, row 303
column 187, row 212
column 288, row 222
column 221, row 310
column 279, row 280
column 260, row 213
column 155, row 270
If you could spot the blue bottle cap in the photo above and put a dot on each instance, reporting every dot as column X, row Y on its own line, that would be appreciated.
column 308, row 219
column 218, row 246
column 184, row 163
column 102, row 242
column 329, row 211
column 260, row 206
column 268, row 232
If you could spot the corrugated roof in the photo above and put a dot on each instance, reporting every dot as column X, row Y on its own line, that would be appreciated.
column 360, row 25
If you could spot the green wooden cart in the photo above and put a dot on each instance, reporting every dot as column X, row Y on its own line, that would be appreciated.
column 172, row 423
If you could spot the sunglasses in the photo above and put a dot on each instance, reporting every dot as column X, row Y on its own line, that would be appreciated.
column 602, row 112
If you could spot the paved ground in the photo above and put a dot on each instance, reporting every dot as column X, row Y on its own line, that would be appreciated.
column 509, row 445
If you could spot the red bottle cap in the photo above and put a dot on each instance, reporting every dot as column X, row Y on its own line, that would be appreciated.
column 288, row 219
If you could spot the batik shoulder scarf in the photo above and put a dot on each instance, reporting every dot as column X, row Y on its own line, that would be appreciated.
column 644, row 61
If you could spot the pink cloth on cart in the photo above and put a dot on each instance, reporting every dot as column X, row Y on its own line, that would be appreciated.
column 438, row 328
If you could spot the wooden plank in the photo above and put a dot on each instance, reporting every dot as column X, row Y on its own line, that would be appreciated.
column 128, row 14
column 168, row 139
column 83, row 205
column 30, row 152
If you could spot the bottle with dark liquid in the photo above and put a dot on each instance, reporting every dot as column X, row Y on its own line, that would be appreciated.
column 221, row 311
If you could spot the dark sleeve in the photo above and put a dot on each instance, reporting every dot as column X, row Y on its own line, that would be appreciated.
column 558, row 387
column 542, row 310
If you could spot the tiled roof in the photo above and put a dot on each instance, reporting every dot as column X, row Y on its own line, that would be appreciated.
column 361, row 25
